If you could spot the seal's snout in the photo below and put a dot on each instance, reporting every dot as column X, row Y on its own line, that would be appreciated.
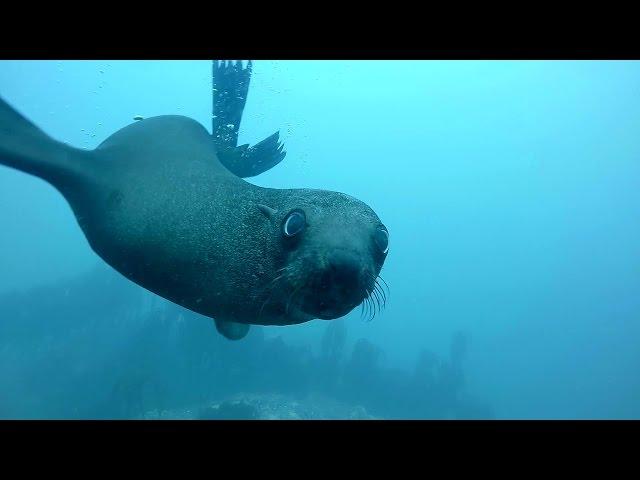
column 344, row 269
column 340, row 286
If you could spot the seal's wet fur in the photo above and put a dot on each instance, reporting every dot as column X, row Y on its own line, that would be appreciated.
column 163, row 202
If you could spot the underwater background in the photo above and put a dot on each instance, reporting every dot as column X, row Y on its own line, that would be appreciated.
column 511, row 193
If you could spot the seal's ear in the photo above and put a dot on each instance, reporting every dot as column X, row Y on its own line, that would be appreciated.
column 267, row 211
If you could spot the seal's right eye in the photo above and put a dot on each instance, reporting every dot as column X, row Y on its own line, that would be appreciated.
column 294, row 223
column 382, row 239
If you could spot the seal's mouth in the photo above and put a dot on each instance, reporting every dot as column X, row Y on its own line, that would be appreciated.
column 335, row 301
column 339, row 289
column 329, row 311
column 329, row 288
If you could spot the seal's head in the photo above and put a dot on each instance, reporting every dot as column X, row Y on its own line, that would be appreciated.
column 332, row 247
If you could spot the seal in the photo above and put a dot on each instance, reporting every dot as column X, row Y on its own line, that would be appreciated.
column 165, row 203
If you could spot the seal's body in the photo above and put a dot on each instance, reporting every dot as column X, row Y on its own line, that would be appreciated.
column 165, row 205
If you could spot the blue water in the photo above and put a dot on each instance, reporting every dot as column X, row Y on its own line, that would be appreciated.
column 510, row 190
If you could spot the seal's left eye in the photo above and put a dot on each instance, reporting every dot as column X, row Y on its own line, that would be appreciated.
column 382, row 240
column 294, row 223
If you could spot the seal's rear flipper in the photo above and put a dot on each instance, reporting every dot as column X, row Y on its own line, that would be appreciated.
column 230, row 89
column 25, row 147
column 232, row 330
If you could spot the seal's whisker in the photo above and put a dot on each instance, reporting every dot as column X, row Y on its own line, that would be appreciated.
column 291, row 297
column 384, row 296
column 272, row 285
column 365, row 305
column 385, row 284
column 377, row 297
column 267, row 300
column 276, row 279
column 373, row 278
column 380, row 299
column 365, row 308
column 264, row 304
column 368, row 308
column 373, row 305
column 378, row 292
column 372, row 313
column 373, row 308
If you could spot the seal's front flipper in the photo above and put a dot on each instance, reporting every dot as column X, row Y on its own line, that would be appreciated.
column 232, row 330
column 230, row 89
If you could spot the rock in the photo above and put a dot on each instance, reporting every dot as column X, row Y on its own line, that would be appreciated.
column 229, row 410
column 250, row 406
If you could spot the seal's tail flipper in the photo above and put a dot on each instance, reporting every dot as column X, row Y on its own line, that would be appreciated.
column 230, row 89
column 25, row 147
column 232, row 330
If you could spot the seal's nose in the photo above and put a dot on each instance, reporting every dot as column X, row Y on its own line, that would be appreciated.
column 344, row 268
column 340, row 286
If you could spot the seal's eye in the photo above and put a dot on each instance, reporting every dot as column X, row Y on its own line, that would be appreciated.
column 294, row 223
column 382, row 239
